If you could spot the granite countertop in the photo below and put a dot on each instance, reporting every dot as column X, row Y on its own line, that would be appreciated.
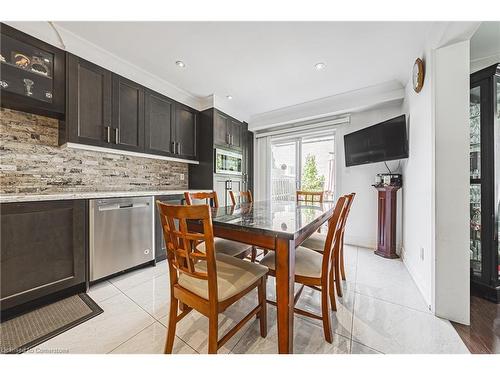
column 281, row 218
column 9, row 198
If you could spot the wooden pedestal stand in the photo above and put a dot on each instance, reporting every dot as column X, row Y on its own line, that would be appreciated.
column 386, row 241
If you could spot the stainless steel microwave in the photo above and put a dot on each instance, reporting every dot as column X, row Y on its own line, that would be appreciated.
column 228, row 162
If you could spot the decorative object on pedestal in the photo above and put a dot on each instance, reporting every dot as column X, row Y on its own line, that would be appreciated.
column 386, row 235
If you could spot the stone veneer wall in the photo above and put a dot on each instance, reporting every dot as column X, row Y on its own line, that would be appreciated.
column 32, row 162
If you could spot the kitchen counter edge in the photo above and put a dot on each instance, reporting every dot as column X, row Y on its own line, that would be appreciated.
column 11, row 198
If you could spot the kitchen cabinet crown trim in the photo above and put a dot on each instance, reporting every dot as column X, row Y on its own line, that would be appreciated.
column 81, row 146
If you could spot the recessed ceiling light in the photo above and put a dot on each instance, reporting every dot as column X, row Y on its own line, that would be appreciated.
column 320, row 66
column 229, row 97
column 180, row 64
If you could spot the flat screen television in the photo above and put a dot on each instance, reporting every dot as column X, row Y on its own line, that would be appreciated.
column 381, row 142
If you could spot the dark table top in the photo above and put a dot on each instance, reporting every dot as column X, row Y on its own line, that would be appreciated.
column 279, row 218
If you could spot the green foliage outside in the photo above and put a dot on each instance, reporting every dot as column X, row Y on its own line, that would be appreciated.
column 311, row 180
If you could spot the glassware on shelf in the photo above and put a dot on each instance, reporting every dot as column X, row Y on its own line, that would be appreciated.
column 28, row 85
column 26, row 70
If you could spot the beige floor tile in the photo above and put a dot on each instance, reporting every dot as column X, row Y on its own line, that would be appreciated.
column 151, row 340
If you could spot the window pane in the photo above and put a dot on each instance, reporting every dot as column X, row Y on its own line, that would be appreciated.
column 318, row 164
column 284, row 171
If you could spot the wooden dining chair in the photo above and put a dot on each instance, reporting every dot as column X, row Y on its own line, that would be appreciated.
column 309, row 196
column 312, row 269
column 316, row 242
column 203, row 281
column 245, row 196
column 222, row 245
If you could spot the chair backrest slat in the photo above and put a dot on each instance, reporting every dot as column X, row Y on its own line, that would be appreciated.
column 333, row 235
column 209, row 197
column 309, row 196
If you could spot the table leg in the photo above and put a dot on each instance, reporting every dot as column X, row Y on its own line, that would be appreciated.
column 285, row 281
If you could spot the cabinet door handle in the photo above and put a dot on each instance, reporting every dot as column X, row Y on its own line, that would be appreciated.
column 228, row 138
column 172, row 147
column 117, row 136
column 179, row 148
column 108, row 138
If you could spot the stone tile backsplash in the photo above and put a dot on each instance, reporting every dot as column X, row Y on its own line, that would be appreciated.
column 32, row 162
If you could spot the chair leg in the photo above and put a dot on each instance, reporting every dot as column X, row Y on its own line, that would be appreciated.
column 172, row 323
column 341, row 259
column 331, row 289
column 325, row 314
column 254, row 254
column 213, row 323
column 338, row 283
column 263, row 307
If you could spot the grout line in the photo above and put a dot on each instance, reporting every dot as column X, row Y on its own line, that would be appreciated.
column 130, row 338
column 357, row 342
column 397, row 304
column 354, row 299
column 152, row 316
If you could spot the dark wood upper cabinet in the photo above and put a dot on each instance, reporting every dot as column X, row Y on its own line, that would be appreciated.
column 186, row 120
column 128, row 114
column 89, row 108
column 159, row 114
column 228, row 132
column 236, row 132
column 33, row 74
column 221, row 125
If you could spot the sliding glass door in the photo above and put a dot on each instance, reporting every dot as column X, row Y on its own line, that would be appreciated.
column 302, row 162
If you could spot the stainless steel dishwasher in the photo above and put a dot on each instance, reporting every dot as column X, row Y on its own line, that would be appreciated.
column 121, row 234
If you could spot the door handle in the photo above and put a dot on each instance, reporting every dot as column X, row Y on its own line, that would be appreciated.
column 179, row 148
column 172, row 147
column 117, row 136
column 108, row 138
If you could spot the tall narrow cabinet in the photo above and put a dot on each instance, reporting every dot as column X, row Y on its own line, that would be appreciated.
column 485, row 182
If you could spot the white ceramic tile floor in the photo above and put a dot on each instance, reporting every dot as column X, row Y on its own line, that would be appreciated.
column 382, row 311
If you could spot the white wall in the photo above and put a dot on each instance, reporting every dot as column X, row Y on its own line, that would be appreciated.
column 418, row 198
column 362, row 228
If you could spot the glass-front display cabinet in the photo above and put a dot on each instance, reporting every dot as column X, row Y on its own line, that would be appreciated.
column 32, row 74
column 485, row 182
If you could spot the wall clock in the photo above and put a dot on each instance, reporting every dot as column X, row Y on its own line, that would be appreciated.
column 418, row 75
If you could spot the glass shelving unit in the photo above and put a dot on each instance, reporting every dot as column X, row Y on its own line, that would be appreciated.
column 484, row 153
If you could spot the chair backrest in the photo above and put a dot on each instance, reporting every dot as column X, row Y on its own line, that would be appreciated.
column 181, row 243
column 350, row 199
column 233, row 199
column 245, row 197
column 333, row 235
column 309, row 196
column 208, row 197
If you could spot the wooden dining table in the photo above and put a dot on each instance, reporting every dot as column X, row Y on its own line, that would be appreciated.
column 280, row 226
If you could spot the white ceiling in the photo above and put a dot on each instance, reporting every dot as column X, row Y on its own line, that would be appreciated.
column 264, row 65
column 486, row 41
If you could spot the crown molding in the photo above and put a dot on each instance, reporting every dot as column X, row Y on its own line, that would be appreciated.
column 353, row 101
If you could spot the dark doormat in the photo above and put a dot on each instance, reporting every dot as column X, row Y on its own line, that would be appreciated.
column 23, row 332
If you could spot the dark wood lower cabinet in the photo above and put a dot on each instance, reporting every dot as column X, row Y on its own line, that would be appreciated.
column 43, row 252
column 160, row 249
